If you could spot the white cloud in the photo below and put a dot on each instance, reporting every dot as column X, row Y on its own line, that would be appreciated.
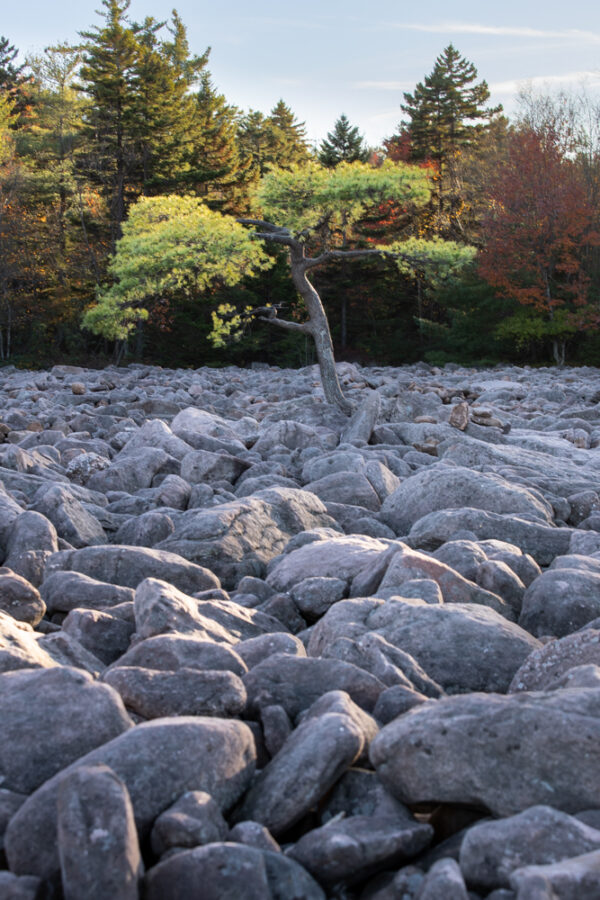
column 512, row 87
column 501, row 30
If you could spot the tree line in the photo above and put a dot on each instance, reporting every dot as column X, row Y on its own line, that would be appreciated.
column 130, row 115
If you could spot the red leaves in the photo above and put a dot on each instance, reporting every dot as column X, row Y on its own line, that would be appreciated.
column 538, row 227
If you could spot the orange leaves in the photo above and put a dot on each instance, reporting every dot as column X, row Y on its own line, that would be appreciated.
column 539, row 225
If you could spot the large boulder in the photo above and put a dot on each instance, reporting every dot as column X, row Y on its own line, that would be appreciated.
column 240, row 537
column 157, row 761
column 541, row 541
column 463, row 647
column 227, row 871
column 162, row 609
column 501, row 753
column 540, row 835
column 19, row 598
column 454, row 487
column 72, row 521
column 561, row 601
column 128, row 566
column 50, row 717
column 19, row 648
column 544, row 668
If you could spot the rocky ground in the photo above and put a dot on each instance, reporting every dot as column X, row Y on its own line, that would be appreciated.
column 252, row 649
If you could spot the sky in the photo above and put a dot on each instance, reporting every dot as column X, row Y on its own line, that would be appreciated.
column 327, row 57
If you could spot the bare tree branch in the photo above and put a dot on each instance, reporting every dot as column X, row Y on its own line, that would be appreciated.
column 302, row 327
column 311, row 262
column 275, row 237
column 266, row 226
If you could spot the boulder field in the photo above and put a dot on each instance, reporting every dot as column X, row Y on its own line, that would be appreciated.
column 251, row 648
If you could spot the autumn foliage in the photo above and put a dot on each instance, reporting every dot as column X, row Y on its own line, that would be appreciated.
column 539, row 230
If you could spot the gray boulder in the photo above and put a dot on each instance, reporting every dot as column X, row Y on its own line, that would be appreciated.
column 162, row 609
column 171, row 652
column 296, row 682
column 128, row 566
column 19, row 598
column 502, row 753
column 193, row 820
column 239, row 538
column 72, row 521
column 462, row 647
column 571, row 879
column 63, row 591
column 97, row 838
column 541, row 541
column 491, row 851
column 544, row 667
column 561, row 601
column 19, row 648
column 455, row 487
column 51, row 717
column 153, row 694
column 219, row 758
column 227, row 871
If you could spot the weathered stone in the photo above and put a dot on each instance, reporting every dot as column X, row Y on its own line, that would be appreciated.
column 51, row 717
column 64, row 591
column 193, row 820
column 219, row 757
column 187, row 692
column 571, row 879
column 443, row 882
column 72, row 521
column 310, row 762
column 295, row 683
column 161, row 608
column 503, row 753
column 103, row 634
column 561, row 601
column 545, row 666
column 97, row 839
column 172, row 652
column 20, row 599
column 128, row 566
column 224, row 871
column 19, row 648
column 491, row 851
column 462, row 647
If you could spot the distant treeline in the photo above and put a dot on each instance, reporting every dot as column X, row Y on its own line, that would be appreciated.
column 131, row 111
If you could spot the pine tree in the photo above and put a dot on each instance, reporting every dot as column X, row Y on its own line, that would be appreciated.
column 111, row 54
column 216, row 172
column 447, row 114
column 287, row 136
column 274, row 141
column 13, row 80
column 343, row 144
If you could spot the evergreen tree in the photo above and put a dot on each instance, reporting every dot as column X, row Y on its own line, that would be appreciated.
column 216, row 171
column 110, row 58
column 13, row 80
column 343, row 144
column 447, row 114
column 287, row 137
column 274, row 141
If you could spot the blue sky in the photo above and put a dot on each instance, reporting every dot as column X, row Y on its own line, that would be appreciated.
column 333, row 56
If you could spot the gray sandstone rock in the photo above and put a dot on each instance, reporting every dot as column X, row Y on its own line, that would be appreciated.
column 97, row 838
column 219, row 758
column 193, row 820
column 63, row 591
column 228, row 871
column 153, row 694
column 172, row 652
column 20, row 599
column 51, row 717
column 541, row 835
column 544, row 667
column 561, row 601
column 503, row 753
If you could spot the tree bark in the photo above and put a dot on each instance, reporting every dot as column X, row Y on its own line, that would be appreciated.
column 318, row 328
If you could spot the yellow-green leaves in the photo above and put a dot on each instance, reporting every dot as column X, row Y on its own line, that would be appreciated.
column 436, row 261
column 171, row 246
column 306, row 197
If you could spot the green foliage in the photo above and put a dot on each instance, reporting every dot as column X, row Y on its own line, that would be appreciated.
column 171, row 246
column 310, row 198
column 343, row 144
column 274, row 141
column 434, row 261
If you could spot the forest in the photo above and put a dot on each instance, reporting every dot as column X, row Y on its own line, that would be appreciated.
column 466, row 237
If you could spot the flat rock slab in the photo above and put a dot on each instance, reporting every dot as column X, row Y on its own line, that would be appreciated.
column 501, row 753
